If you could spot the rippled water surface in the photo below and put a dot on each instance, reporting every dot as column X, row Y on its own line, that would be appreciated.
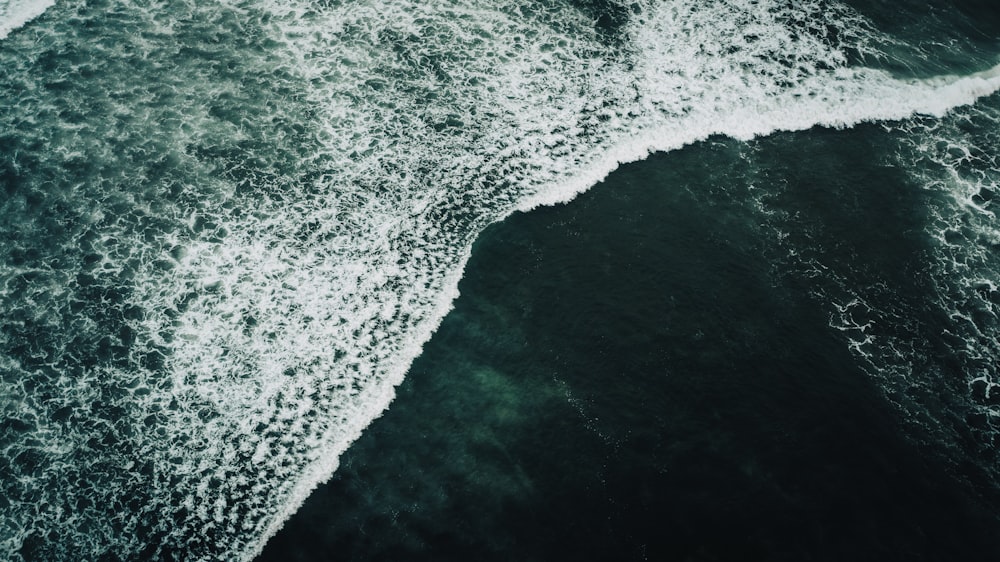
column 228, row 229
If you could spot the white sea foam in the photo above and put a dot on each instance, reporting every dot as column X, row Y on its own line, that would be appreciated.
column 285, row 317
column 957, row 160
column 16, row 13
column 666, row 96
column 920, row 346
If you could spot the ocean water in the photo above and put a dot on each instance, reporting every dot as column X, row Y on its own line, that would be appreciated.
column 649, row 373
column 229, row 229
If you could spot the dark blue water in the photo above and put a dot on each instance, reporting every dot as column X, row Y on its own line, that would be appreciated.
column 639, row 375
column 233, row 237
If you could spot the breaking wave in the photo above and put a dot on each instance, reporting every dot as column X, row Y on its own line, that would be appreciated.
column 233, row 225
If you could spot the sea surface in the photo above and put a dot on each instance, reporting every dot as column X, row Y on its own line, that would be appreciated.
column 469, row 280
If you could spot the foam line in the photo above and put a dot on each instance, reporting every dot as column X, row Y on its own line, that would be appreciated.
column 261, row 240
column 871, row 96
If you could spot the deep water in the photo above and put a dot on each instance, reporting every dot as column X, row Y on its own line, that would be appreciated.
column 647, row 373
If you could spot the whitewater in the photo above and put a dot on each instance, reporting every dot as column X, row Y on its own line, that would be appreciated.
column 230, row 227
column 14, row 14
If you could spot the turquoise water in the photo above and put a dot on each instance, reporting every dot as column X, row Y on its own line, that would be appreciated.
column 230, row 228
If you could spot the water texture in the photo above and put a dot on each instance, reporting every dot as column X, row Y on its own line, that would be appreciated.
column 228, row 228
column 651, row 372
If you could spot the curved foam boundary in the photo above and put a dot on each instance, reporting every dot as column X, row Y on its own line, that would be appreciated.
column 933, row 97
column 287, row 226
